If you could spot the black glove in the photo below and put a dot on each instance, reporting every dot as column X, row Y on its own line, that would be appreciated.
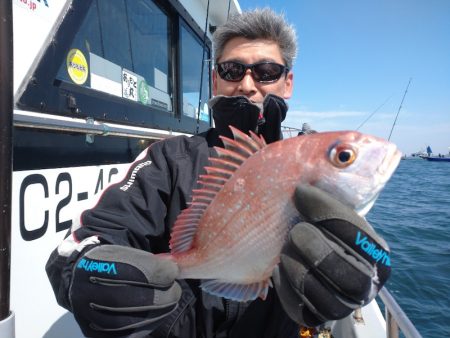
column 237, row 111
column 332, row 263
column 263, row 118
column 274, row 112
column 118, row 291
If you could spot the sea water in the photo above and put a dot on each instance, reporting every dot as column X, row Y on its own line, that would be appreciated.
column 413, row 214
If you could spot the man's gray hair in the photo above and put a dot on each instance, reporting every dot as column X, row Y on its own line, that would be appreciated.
column 258, row 24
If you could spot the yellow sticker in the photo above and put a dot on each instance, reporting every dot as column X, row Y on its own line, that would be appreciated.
column 77, row 66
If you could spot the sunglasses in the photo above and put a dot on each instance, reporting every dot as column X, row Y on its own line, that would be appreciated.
column 265, row 72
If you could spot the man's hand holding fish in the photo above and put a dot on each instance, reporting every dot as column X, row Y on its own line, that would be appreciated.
column 332, row 263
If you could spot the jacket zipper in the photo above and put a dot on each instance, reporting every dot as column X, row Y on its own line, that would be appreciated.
column 227, row 310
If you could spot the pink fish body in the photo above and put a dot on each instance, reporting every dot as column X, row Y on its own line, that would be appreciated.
column 232, row 234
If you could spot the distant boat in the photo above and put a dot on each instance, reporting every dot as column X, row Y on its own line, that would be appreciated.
column 411, row 157
column 419, row 154
column 416, row 155
column 436, row 158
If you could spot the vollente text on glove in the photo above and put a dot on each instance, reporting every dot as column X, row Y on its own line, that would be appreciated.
column 101, row 267
column 372, row 250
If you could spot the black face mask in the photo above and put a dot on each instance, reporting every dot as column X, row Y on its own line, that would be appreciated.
column 239, row 112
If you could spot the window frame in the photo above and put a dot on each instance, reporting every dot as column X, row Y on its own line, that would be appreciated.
column 46, row 94
column 188, row 120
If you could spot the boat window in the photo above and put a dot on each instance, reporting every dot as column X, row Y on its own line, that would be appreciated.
column 192, row 61
column 122, row 49
column 135, row 62
column 151, row 52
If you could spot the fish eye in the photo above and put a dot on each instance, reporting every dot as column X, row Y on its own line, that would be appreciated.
column 342, row 155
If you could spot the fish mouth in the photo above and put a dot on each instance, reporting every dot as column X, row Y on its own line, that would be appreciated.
column 364, row 209
column 389, row 163
column 382, row 175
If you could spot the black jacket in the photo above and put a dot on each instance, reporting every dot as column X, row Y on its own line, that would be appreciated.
column 139, row 212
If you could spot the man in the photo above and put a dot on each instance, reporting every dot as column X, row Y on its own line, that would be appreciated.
column 306, row 129
column 104, row 271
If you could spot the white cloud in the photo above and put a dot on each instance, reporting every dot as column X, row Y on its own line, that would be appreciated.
column 325, row 120
column 298, row 114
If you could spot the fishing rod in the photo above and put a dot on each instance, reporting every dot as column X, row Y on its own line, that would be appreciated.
column 400, row 107
column 379, row 107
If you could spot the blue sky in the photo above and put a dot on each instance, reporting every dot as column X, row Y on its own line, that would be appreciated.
column 356, row 58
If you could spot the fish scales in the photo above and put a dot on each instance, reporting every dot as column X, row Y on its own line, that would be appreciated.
column 232, row 234
column 224, row 233
column 247, row 244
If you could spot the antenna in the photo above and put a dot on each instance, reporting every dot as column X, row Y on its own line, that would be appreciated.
column 400, row 107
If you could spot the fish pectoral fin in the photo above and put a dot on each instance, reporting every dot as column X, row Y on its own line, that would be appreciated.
column 237, row 292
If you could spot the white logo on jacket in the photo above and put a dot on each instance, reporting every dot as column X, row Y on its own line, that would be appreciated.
column 132, row 178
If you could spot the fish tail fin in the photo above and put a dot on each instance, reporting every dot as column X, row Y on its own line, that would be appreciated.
column 265, row 289
column 237, row 292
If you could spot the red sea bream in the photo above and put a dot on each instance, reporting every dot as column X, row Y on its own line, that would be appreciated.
column 231, row 235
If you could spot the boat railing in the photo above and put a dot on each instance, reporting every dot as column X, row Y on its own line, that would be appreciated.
column 88, row 126
column 396, row 319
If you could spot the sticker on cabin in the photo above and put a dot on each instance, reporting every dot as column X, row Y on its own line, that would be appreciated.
column 34, row 6
column 143, row 92
column 77, row 66
column 106, row 76
column 129, row 85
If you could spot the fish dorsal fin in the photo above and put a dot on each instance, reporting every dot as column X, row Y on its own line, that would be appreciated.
column 219, row 171
column 243, row 144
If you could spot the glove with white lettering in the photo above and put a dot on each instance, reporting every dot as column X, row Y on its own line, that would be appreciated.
column 332, row 263
column 118, row 291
